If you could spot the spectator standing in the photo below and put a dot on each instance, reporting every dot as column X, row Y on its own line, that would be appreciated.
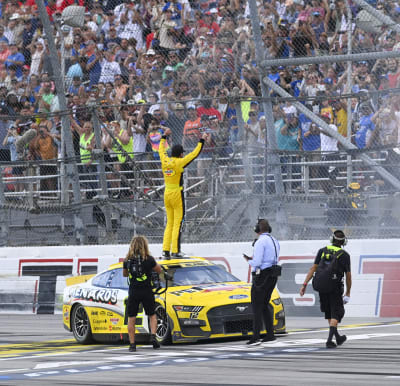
column 366, row 133
column 88, row 171
column 15, row 59
column 109, row 68
column 42, row 147
column 191, row 132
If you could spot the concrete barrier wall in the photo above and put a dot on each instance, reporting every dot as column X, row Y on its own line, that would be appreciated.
column 32, row 279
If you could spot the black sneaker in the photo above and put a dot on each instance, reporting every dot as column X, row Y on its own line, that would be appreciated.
column 132, row 347
column 253, row 342
column 330, row 344
column 341, row 339
column 155, row 342
column 166, row 255
column 178, row 255
column 268, row 339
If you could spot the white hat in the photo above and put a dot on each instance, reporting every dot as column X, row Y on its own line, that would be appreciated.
column 15, row 16
column 290, row 110
column 150, row 52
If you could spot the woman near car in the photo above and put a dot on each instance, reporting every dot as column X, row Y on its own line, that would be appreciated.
column 138, row 267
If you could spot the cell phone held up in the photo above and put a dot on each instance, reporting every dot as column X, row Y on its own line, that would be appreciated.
column 247, row 257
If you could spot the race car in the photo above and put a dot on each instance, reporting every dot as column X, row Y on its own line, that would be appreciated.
column 196, row 299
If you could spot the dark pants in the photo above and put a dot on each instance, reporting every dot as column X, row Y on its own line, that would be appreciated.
column 261, row 292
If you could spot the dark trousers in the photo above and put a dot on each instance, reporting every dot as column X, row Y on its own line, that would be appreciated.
column 261, row 292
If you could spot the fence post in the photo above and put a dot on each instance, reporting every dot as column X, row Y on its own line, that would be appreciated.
column 271, row 157
column 72, row 169
column 349, row 87
column 245, row 149
column 3, row 221
column 102, row 171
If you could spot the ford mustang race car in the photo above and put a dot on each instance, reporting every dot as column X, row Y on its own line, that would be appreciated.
column 196, row 299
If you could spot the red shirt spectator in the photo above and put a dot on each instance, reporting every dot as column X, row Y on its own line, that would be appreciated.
column 208, row 23
column 208, row 111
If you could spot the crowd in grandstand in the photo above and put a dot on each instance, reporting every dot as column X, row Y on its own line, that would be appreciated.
column 148, row 65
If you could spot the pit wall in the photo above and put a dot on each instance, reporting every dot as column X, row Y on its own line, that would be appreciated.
column 32, row 279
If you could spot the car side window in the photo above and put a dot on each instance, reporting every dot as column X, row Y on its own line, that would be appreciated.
column 102, row 279
column 118, row 280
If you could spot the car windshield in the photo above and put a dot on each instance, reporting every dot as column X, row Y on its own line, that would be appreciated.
column 205, row 274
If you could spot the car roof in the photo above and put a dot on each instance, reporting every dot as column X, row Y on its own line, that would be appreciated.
column 187, row 260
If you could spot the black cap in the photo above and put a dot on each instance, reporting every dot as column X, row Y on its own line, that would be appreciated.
column 177, row 150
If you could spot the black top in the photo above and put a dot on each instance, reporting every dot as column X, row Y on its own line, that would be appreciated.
column 343, row 261
column 144, row 279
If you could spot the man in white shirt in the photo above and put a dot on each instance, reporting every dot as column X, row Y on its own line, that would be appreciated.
column 329, row 148
column 109, row 68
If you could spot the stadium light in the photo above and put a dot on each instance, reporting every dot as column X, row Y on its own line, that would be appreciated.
column 73, row 16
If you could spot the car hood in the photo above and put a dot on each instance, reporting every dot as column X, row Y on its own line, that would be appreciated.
column 206, row 294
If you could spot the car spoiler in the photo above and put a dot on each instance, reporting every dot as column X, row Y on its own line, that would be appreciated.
column 77, row 279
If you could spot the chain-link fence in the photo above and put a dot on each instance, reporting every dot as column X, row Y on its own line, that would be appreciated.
column 307, row 141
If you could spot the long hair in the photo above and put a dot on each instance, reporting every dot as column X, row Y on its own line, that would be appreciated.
column 139, row 247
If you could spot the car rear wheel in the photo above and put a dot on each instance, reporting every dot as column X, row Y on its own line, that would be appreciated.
column 163, row 333
column 81, row 325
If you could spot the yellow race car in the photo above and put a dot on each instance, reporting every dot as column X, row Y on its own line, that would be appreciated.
column 195, row 299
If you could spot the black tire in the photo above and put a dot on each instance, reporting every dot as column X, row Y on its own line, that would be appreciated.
column 80, row 325
column 163, row 332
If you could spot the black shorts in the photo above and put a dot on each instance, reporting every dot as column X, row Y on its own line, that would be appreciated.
column 332, row 305
column 141, row 295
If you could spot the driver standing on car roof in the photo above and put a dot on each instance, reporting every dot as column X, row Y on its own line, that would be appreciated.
column 138, row 267
column 265, row 255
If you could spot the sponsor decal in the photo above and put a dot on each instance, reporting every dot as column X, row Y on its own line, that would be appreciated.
column 114, row 320
column 209, row 288
column 99, row 321
column 169, row 172
column 99, row 328
column 194, row 315
column 96, row 295
column 241, row 296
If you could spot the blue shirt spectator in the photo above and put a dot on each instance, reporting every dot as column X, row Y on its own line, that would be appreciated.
column 310, row 139
column 365, row 131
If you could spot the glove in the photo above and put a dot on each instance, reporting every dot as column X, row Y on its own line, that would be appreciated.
column 346, row 299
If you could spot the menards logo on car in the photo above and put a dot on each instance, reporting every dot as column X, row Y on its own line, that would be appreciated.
column 96, row 295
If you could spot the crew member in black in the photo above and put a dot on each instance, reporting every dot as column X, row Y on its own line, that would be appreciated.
column 138, row 266
column 332, row 303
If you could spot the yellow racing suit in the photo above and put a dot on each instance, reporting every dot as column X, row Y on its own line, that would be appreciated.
column 172, row 168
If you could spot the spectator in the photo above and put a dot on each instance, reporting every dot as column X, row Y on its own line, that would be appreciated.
column 87, row 171
column 42, row 147
column 191, row 132
column 109, row 68
column 15, row 59
column 366, row 133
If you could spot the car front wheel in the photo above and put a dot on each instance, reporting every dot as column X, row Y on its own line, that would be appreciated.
column 163, row 333
column 81, row 325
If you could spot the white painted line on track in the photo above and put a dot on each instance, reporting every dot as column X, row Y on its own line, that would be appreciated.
column 13, row 370
column 344, row 328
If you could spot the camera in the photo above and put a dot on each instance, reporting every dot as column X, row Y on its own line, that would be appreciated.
column 332, row 5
